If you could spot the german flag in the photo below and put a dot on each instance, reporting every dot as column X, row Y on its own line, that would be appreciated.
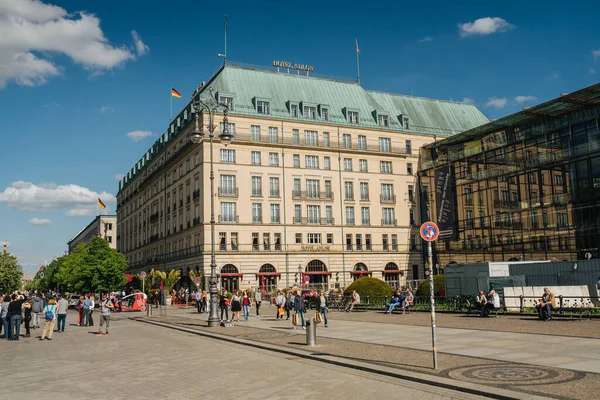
column 175, row 93
column 101, row 204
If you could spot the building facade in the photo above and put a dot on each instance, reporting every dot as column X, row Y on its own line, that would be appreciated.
column 104, row 226
column 523, row 187
column 319, row 182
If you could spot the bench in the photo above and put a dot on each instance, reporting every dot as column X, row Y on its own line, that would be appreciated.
column 494, row 311
column 572, row 308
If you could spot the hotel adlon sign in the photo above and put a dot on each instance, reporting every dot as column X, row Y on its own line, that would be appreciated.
column 289, row 65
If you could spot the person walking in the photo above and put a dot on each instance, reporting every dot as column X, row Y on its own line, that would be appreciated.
column 280, row 303
column 204, row 303
column 27, row 316
column 258, row 301
column 299, row 309
column 246, row 304
column 323, row 306
column 355, row 301
column 63, row 306
column 37, row 305
column 14, row 310
column 236, row 306
column 92, row 306
column 289, row 304
column 4, row 321
column 105, row 308
column 80, row 311
column 50, row 313
column 223, row 305
column 87, row 304
column 198, row 298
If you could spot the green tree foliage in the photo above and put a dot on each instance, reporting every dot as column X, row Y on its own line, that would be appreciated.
column 170, row 279
column 372, row 287
column 11, row 273
column 197, row 274
column 438, row 285
column 149, row 280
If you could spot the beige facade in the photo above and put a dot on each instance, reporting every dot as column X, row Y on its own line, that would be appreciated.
column 104, row 226
column 294, row 197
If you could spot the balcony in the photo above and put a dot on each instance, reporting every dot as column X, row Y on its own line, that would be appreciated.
column 350, row 221
column 387, row 198
column 349, row 197
column 508, row 225
column 505, row 203
column 256, row 193
column 196, row 221
column 257, row 219
column 275, row 220
column 366, row 221
column 389, row 222
column 469, row 202
column 196, row 194
column 154, row 217
column 312, row 195
column 313, row 221
column 229, row 219
column 228, row 192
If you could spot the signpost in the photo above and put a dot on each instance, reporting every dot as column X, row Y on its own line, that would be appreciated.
column 306, row 280
column 197, row 281
column 430, row 232
column 143, row 275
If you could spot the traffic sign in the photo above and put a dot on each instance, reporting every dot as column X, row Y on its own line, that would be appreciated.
column 588, row 255
column 197, row 280
column 143, row 274
column 429, row 231
column 306, row 278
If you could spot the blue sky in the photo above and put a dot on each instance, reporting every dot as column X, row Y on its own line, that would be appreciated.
column 77, row 76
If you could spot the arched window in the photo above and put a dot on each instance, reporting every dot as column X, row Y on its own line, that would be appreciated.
column 229, row 269
column 267, row 269
column 391, row 274
column 316, row 270
column 316, row 266
column 360, row 267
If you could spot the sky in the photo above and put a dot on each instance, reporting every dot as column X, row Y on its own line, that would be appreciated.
column 85, row 85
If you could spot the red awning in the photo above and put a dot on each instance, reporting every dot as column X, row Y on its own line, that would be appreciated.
column 230, row 275
column 393, row 271
column 129, row 277
column 277, row 274
column 317, row 273
column 361, row 272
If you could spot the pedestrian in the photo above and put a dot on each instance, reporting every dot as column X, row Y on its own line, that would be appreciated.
column 289, row 304
column 355, row 301
column 299, row 309
column 323, row 306
column 87, row 303
column 63, row 306
column 37, row 305
column 105, row 308
column 204, row 303
column 27, row 316
column 198, row 297
column 236, row 305
column 246, row 303
column 80, row 311
column 280, row 303
column 223, row 305
column 93, row 301
column 4, row 302
column 258, row 301
column 50, row 313
column 14, row 310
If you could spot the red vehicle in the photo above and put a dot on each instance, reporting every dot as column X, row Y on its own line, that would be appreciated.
column 139, row 303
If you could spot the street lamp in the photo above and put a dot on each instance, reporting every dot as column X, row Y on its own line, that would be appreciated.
column 197, row 136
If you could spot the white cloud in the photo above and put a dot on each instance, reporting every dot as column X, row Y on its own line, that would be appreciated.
column 596, row 54
column 496, row 102
column 105, row 109
column 40, row 221
column 525, row 99
column 468, row 100
column 31, row 32
column 26, row 196
column 136, row 136
column 484, row 26
column 118, row 177
column 140, row 47
column 426, row 39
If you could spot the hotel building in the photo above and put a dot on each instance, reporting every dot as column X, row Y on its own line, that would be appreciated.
column 319, row 181
column 103, row 226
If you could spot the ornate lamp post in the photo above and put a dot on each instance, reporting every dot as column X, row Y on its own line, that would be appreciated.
column 197, row 136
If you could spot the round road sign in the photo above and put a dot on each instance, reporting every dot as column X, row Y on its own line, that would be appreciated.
column 306, row 278
column 143, row 274
column 197, row 280
column 429, row 231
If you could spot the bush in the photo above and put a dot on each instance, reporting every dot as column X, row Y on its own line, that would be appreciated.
column 438, row 286
column 372, row 287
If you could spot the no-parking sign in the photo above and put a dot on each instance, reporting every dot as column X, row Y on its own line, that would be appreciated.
column 429, row 231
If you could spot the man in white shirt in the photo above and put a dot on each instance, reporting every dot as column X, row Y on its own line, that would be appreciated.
column 355, row 300
column 198, row 298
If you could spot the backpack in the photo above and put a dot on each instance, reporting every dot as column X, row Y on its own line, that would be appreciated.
column 50, row 313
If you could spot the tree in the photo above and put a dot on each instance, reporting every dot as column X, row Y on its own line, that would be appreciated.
column 438, row 285
column 149, row 280
column 169, row 279
column 372, row 287
column 11, row 273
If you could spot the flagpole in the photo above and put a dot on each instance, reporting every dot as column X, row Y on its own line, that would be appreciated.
column 225, row 55
column 171, row 113
column 357, row 63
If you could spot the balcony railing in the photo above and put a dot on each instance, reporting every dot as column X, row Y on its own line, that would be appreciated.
column 364, row 197
column 350, row 221
column 349, row 197
column 507, row 203
column 257, row 219
column 274, row 195
column 386, row 198
column 366, row 221
column 228, row 192
column 508, row 224
column 389, row 222
column 256, row 193
column 232, row 219
column 196, row 194
column 312, row 195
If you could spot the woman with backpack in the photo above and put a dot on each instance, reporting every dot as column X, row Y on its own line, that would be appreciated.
column 50, row 312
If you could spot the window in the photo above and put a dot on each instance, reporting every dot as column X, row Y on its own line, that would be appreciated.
column 362, row 165
column 109, row 239
column 545, row 219
column 255, row 133
column 255, row 241
column 313, row 214
column 257, row 213
column 368, row 242
column 394, row 242
column 297, row 187
column 385, row 242
column 405, row 123
column 325, row 139
column 228, row 187
column 274, row 159
column 388, row 217
column 349, row 242
column 297, row 213
column 346, row 141
column 277, row 241
column 296, row 158
column 330, row 238
column 325, row 114
column 558, row 180
column 364, row 191
column 532, row 177
column 350, row 215
column 387, row 192
column 349, row 190
column 353, row 117
column 409, row 169
column 222, row 241
column 295, row 137
column 230, row 127
column 273, row 135
column 328, row 192
column 329, row 215
column 255, row 157
column 263, row 107
column 411, row 216
column 267, row 241
column 362, row 142
column 347, row 164
column 326, row 162
column 256, row 186
column 275, row 215
column 411, row 193
column 561, row 220
column 383, row 120
column 358, row 242
column 408, row 147
column 312, row 188
column 386, row 167
column 314, row 238
column 196, row 160
column 310, row 138
column 228, row 213
column 413, row 242
column 228, row 101
column 365, row 215
column 298, row 238
column 311, row 162
column 274, row 187
column 385, row 144
column 228, row 156
column 294, row 110
column 310, row 112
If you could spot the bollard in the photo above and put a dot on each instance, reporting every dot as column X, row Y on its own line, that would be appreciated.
column 521, row 307
column 311, row 332
column 561, row 304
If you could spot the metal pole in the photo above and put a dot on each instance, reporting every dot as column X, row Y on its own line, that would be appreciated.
column 213, row 319
column 144, row 285
column 432, row 299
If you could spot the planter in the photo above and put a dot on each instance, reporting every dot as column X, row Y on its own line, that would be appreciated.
column 168, row 301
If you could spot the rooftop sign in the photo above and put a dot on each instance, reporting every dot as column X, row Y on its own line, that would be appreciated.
column 289, row 65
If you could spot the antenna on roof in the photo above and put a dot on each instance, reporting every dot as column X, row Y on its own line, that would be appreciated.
column 225, row 54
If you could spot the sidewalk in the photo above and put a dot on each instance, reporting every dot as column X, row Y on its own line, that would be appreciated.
column 525, row 362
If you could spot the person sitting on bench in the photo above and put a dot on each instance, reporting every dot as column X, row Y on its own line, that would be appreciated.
column 480, row 302
column 396, row 300
column 547, row 303
column 409, row 301
column 492, row 304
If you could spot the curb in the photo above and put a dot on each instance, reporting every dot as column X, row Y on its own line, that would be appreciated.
column 437, row 381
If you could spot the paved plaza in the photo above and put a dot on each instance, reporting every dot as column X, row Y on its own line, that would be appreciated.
column 140, row 361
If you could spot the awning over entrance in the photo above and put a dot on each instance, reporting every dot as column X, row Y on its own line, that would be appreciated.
column 267, row 274
column 317, row 273
column 361, row 272
column 393, row 271
column 230, row 275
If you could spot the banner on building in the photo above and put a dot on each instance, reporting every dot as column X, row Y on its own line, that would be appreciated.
column 444, row 202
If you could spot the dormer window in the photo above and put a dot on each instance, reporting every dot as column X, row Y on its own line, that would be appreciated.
column 383, row 120
column 294, row 110
column 405, row 122
column 228, row 101
column 353, row 117
column 263, row 107
column 310, row 112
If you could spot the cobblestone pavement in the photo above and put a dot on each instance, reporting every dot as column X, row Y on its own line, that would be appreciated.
column 139, row 361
